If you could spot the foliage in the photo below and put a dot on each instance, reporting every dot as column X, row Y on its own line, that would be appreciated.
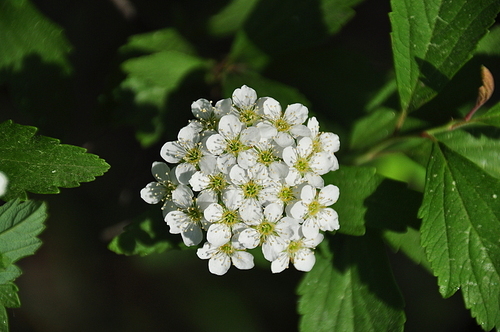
column 420, row 143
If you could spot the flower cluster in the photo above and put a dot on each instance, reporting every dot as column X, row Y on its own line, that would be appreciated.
column 248, row 174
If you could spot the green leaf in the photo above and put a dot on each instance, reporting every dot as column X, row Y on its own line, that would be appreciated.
column 483, row 151
column 157, row 41
column 20, row 38
column 460, row 232
column 231, row 18
column 432, row 40
column 146, row 235
column 150, row 81
column 8, row 296
column 20, row 224
column 370, row 200
column 491, row 117
column 8, row 299
column 373, row 128
column 351, row 289
column 40, row 164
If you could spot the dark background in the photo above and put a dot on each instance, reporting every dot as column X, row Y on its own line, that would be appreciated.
column 74, row 283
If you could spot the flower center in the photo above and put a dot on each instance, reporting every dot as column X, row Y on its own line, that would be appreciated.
column 230, row 217
column 227, row 249
column 266, row 157
column 248, row 116
column 266, row 228
column 194, row 213
column 251, row 189
column 286, row 194
column 316, row 145
column 235, row 146
column 314, row 208
column 282, row 125
column 302, row 165
column 294, row 246
column 169, row 187
column 217, row 182
column 193, row 155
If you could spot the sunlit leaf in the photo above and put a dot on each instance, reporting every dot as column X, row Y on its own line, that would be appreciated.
column 350, row 288
column 460, row 232
column 40, row 164
column 432, row 40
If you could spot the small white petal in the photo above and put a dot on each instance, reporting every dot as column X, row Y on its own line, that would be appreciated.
column 283, row 139
column 328, row 195
column 304, row 260
column 328, row 219
column 242, row 260
column 184, row 172
column 182, row 196
column 310, row 228
column 191, row 234
column 290, row 155
column 273, row 212
column 206, row 251
column 238, row 175
column 298, row 210
column 247, row 158
column 199, row 181
column 153, row 193
column 3, row 184
column 296, row 114
column 244, row 97
column 307, row 194
column 219, row 264
column 267, row 130
column 232, row 198
column 160, row 171
column 225, row 162
column 272, row 109
column 172, row 152
column 300, row 130
column 250, row 136
column 249, row 238
column 278, row 170
column 175, row 219
column 213, row 212
column 304, row 146
column 216, row 144
column 280, row 263
column 230, row 126
column 218, row 234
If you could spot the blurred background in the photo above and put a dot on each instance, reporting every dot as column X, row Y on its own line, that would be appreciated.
column 74, row 282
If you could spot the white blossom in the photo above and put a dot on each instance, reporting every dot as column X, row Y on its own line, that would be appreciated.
column 248, row 175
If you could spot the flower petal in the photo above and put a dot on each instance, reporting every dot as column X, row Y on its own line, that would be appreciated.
column 249, row 238
column 172, row 152
column 191, row 234
column 160, row 171
column 213, row 212
column 219, row 264
column 328, row 195
column 280, row 263
column 230, row 126
column 242, row 260
column 153, row 193
column 218, row 234
column 304, row 260
column 272, row 108
column 296, row 114
column 244, row 97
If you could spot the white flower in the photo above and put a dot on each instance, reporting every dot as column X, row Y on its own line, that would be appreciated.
column 286, row 126
column 313, row 208
column 213, row 181
column 220, row 257
column 3, row 184
column 300, row 251
column 224, row 218
column 305, row 163
column 253, row 185
column 189, row 218
column 155, row 192
column 266, row 153
column 187, row 150
column 207, row 115
column 231, row 139
column 246, row 106
column 272, row 232
column 327, row 141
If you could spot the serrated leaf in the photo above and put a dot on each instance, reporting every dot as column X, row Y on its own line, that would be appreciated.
column 40, row 164
column 146, row 235
column 460, row 232
column 20, row 223
column 8, row 299
column 8, row 296
column 351, row 289
column 432, row 40
column 483, row 151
